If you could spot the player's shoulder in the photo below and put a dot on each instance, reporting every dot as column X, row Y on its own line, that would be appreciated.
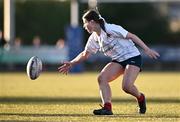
column 109, row 27
column 114, row 29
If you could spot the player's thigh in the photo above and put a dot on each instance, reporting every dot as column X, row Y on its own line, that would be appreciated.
column 111, row 71
column 130, row 74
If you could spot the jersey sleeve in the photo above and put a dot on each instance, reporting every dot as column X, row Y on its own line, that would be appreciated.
column 116, row 30
column 92, row 45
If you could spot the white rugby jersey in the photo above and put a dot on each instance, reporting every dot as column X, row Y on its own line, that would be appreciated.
column 116, row 46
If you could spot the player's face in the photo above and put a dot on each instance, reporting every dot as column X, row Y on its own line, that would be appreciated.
column 88, row 26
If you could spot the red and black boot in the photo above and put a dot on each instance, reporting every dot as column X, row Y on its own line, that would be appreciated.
column 142, row 104
column 105, row 110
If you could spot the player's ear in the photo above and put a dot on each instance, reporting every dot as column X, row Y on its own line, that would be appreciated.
column 91, row 21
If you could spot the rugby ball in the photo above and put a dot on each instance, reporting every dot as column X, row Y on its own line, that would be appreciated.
column 34, row 67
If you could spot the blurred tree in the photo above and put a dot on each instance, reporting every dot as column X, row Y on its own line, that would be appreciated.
column 1, row 14
column 139, row 18
column 48, row 19
column 44, row 18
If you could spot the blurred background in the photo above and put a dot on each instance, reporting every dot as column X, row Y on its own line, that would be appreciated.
column 52, row 30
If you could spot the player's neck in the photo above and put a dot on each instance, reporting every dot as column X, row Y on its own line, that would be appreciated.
column 98, row 30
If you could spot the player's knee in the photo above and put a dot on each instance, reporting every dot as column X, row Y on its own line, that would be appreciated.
column 101, row 79
column 126, row 88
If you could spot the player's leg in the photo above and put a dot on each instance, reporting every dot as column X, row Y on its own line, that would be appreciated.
column 130, row 74
column 109, row 73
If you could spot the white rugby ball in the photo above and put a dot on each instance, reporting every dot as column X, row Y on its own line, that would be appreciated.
column 34, row 67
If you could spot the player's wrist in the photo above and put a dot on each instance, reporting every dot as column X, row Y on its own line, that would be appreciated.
column 146, row 49
column 71, row 64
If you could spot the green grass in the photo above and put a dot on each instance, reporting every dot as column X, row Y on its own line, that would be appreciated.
column 54, row 97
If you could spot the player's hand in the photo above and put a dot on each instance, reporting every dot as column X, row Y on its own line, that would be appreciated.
column 152, row 53
column 65, row 67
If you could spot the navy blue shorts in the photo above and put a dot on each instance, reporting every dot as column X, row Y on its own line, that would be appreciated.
column 137, row 61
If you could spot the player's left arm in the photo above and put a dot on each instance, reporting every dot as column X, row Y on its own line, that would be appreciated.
column 151, row 53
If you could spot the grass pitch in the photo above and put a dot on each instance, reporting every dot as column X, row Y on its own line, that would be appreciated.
column 55, row 98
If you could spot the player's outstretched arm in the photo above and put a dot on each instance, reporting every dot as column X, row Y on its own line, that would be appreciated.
column 66, row 66
column 151, row 53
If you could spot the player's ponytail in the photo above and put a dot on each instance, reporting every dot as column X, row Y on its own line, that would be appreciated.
column 102, row 25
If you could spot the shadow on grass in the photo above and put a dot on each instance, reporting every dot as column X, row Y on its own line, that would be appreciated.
column 78, row 100
column 20, row 121
column 91, row 115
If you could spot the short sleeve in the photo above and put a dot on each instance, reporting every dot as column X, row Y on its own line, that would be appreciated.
column 92, row 44
column 116, row 30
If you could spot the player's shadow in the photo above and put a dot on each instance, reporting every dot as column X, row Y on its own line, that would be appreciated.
column 91, row 115
column 43, row 115
column 48, row 100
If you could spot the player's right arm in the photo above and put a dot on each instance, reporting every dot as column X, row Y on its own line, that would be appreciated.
column 91, row 48
column 68, row 64
column 80, row 58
